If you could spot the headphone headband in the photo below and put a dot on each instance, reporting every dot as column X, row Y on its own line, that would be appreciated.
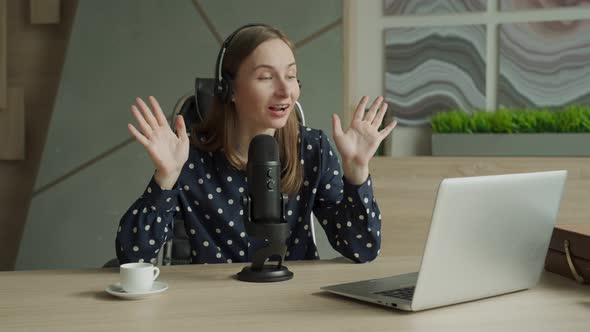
column 219, row 77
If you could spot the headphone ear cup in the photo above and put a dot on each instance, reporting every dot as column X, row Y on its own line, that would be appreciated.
column 218, row 91
column 229, row 90
column 223, row 89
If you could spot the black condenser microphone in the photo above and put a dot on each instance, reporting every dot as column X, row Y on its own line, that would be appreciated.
column 265, row 205
column 264, row 179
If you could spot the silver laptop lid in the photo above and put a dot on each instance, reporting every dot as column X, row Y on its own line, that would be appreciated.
column 489, row 235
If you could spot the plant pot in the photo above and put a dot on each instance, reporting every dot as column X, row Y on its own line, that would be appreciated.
column 535, row 144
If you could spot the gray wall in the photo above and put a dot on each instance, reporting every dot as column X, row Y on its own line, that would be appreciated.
column 90, row 170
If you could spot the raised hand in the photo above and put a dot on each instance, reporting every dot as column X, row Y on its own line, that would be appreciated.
column 360, row 141
column 168, row 151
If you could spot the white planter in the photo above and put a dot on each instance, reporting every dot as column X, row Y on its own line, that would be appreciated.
column 538, row 144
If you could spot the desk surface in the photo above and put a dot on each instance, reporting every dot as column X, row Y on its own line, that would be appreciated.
column 207, row 298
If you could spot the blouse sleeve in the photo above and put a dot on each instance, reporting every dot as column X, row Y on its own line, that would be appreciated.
column 348, row 213
column 147, row 224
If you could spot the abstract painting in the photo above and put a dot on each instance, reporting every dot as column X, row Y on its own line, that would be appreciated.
column 433, row 69
column 544, row 64
column 507, row 5
column 432, row 7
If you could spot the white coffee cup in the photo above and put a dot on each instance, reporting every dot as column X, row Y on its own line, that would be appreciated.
column 138, row 277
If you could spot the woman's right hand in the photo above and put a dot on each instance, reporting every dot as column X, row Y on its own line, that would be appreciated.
column 168, row 150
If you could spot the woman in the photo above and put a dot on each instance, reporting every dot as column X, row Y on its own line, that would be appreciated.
column 203, row 180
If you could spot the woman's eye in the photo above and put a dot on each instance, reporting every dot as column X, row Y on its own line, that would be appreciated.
column 291, row 77
column 265, row 78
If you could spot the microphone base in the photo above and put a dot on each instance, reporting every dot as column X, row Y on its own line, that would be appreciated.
column 268, row 273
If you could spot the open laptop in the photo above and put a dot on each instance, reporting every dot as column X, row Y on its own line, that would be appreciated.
column 489, row 235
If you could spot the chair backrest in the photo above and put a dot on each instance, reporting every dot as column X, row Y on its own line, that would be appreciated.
column 193, row 107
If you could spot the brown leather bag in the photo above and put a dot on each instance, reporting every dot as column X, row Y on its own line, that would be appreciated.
column 569, row 252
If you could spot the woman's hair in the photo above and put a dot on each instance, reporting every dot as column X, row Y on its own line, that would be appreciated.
column 218, row 130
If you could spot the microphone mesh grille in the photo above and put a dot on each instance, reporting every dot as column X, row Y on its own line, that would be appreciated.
column 263, row 148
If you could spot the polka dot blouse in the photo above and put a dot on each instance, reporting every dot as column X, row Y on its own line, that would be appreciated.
column 207, row 197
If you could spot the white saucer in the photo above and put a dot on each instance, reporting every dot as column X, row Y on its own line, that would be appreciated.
column 116, row 290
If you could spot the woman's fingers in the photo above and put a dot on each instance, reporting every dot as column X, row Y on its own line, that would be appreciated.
column 379, row 116
column 160, row 117
column 138, row 136
column 359, row 112
column 373, row 110
column 181, row 128
column 336, row 125
column 147, row 113
column 143, row 125
column 371, row 114
column 387, row 130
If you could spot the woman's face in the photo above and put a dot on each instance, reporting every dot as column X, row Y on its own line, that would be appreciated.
column 266, row 88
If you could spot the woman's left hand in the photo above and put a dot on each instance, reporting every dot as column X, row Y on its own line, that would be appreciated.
column 360, row 141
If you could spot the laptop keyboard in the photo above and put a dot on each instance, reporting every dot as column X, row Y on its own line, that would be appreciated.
column 405, row 293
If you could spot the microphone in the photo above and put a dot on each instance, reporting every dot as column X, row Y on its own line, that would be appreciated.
column 264, row 180
column 265, row 206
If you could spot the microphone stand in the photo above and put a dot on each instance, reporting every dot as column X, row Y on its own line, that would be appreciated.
column 276, row 233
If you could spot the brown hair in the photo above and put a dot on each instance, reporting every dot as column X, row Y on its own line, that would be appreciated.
column 219, row 127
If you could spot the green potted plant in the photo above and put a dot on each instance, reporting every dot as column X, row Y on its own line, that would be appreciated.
column 513, row 132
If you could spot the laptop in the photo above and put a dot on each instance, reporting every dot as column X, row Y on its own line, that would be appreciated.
column 489, row 235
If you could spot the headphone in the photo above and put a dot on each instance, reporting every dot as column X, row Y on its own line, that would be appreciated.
column 223, row 81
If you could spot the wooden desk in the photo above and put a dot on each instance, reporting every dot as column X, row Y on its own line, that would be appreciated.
column 406, row 191
column 206, row 298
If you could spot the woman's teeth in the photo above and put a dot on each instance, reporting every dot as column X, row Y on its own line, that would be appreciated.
column 279, row 108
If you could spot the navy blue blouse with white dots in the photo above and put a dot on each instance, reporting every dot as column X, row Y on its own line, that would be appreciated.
column 207, row 196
